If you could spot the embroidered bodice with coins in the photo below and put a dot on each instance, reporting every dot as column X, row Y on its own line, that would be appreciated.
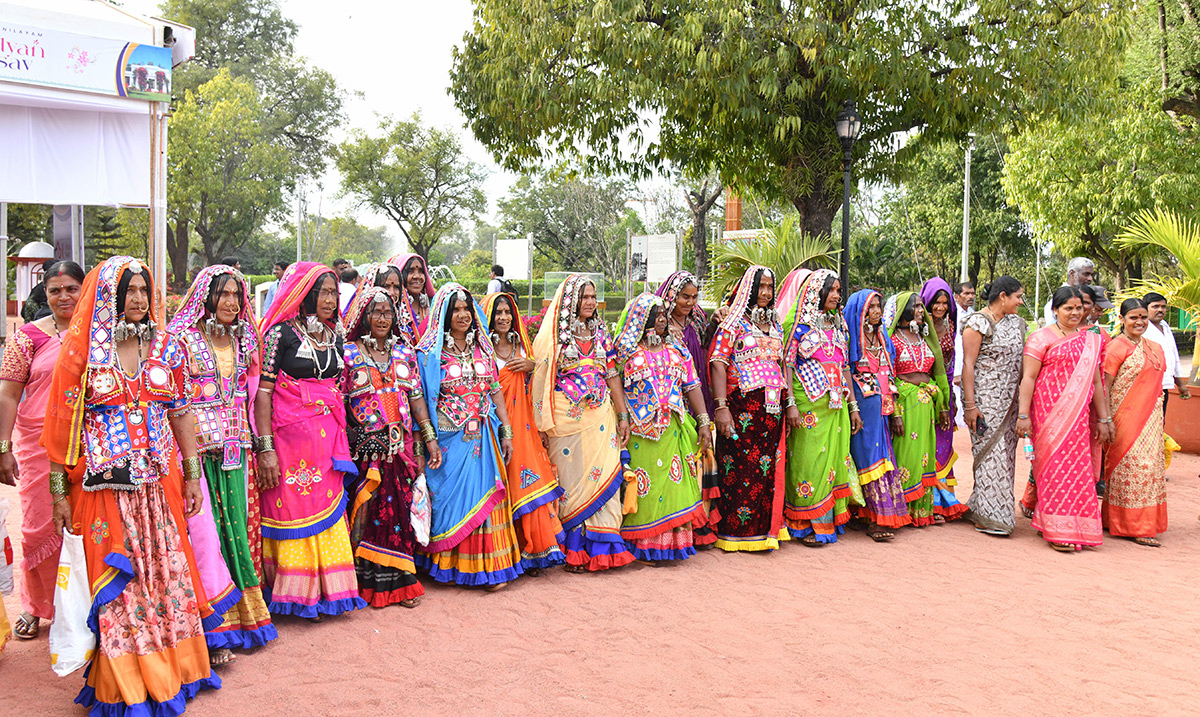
column 656, row 381
column 220, row 392
column 874, row 376
column 126, row 431
column 286, row 351
column 583, row 366
column 377, row 396
column 465, row 398
column 819, row 361
column 755, row 356
column 912, row 358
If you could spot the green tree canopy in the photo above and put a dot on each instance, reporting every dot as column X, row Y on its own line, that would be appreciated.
column 227, row 169
column 570, row 217
column 416, row 175
column 1079, row 183
column 752, row 88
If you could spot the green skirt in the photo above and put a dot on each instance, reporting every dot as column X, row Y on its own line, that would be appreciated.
column 668, row 483
column 821, row 479
column 227, row 491
column 916, row 450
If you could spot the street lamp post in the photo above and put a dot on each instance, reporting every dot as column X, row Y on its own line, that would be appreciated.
column 848, row 124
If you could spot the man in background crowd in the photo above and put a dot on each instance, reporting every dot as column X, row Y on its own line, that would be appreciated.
column 1080, row 270
column 278, row 269
column 1159, row 331
column 232, row 261
column 496, row 284
column 347, row 286
column 964, row 296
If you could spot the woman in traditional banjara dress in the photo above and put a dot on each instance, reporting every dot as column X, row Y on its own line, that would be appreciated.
column 303, row 452
column 217, row 329
column 471, row 540
column 117, row 417
column 384, row 408
column 579, row 404
column 664, row 449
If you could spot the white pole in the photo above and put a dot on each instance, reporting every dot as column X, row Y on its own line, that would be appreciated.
column 4, row 274
column 628, row 264
column 299, row 229
column 966, row 237
column 529, row 240
column 158, row 206
column 77, row 234
column 1037, row 286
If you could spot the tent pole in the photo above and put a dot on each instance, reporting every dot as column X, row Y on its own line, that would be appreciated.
column 158, row 205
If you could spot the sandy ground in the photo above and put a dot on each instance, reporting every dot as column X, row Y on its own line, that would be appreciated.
column 942, row 620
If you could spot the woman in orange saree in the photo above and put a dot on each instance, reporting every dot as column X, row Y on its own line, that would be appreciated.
column 533, row 488
column 1135, row 502
column 1060, row 379
column 118, row 384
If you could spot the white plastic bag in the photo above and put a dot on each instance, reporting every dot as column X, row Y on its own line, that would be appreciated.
column 72, row 642
column 420, row 512
column 6, row 551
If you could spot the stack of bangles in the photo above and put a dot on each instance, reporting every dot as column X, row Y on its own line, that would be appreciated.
column 622, row 417
column 703, row 420
column 1105, row 420
column 853, row 406
column 790, row 402
column 264, row 444
column 506, row 431
column 428, row 433
column 58, row 486
column 192, row 468
column 721, row 402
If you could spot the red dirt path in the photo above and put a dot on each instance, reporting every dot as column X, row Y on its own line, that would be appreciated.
column 942, row 620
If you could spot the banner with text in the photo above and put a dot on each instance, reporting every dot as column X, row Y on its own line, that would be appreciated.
column 67, row 61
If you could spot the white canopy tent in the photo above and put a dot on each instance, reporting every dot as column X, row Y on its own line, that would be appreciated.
column 84, row 97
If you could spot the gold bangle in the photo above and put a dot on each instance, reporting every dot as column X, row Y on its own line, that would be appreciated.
column 58, row 483
column 506, row 431
column 193, row 469
column 5, row 446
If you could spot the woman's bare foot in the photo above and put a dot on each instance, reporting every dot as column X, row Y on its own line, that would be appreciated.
column 221, row 656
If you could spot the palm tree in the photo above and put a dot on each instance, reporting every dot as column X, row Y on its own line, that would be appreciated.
column 1181, row 237
column 782, row 247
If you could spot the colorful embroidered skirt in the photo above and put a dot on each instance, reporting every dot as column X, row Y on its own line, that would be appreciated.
column 585, row 450
column 488, row 556
column 151, row 655
column 818, row 470
column 871, row 449
column 749, row 511
column 668, row 488
column 246, row 622
column 311, row 576
column 916, row 460
column 382, row 533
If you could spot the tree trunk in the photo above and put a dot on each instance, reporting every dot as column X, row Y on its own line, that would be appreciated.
column 973, row 262
column 700, row 202
column 177, row 250
column 816, row 211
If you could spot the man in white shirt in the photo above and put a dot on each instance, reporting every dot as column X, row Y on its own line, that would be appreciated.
column 1159, row 331
column 1080, row 270
column 346, row 287
column 964, row 297
column 495, row 285
column 278, row 269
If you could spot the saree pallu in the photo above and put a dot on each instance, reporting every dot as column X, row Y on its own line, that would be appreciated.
column 871, row 451
column 818, row 470
column 1135, row 502
column 749, row 510
column 381, row 529
column 472, row 541
column 1062, row 492
column 308, row 567
column 148, row 604
column 585, row 449
column 246, row 623
column 668, row 488
column 944, row 455
column 916, row 463
column 533, row 489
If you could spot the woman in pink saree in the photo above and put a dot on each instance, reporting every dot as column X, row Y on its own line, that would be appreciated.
column 29, row 359
column 1060, row 380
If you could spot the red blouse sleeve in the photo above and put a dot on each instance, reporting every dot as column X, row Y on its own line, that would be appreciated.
column 18, row 358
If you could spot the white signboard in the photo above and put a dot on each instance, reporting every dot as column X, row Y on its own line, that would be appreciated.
column 67, row 61
column 653, row 257
column 513, row 255
column 662, row 254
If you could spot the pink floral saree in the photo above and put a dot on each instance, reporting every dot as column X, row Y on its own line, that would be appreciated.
column 1065, row 507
